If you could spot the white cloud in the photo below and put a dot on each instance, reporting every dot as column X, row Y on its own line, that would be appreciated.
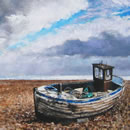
column 122, row 2
column 40, row 14
column 43, row 16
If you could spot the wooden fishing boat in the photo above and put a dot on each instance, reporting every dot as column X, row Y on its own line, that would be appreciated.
column 78, row 100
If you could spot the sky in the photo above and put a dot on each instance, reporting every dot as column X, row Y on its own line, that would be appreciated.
column 63, row 37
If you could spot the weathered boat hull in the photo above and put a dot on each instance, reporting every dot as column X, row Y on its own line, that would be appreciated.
column 74, row 109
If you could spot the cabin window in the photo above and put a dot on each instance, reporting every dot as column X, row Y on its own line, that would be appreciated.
column 98, row 73
column 107, row 75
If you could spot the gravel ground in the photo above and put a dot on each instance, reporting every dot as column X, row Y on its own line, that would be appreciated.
column 17, row 110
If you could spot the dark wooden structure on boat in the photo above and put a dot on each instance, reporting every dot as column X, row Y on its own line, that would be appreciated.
column 102, row 76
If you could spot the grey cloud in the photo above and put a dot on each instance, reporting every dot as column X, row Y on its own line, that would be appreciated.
column 8, row 7
column 107, row 44
column 13, row 7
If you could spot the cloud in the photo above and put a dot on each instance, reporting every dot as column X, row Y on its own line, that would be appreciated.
column 19, row 19
column 107, row 44
column 65, row 65
column 81, row 32
column 109, row 3
column 122, row 2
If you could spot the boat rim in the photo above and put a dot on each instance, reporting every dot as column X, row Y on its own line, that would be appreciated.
column 93, row 99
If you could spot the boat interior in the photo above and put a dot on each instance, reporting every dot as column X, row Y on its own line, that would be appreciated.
column 81, row 90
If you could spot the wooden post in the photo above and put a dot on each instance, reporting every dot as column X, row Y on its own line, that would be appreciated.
column 60, row 87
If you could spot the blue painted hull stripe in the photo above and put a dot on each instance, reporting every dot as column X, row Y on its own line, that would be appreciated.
column 115, row 91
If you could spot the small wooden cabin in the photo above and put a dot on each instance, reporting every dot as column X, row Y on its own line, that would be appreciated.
column 102, row 76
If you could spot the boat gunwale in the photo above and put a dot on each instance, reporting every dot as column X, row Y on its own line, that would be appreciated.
column 82, row 101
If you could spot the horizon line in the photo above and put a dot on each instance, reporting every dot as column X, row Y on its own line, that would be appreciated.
column 54, row 77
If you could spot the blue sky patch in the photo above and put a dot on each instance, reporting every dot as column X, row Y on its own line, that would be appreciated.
column 17, row 45
column 127, row 13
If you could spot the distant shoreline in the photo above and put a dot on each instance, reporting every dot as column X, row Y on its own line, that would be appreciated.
column 59, row 77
